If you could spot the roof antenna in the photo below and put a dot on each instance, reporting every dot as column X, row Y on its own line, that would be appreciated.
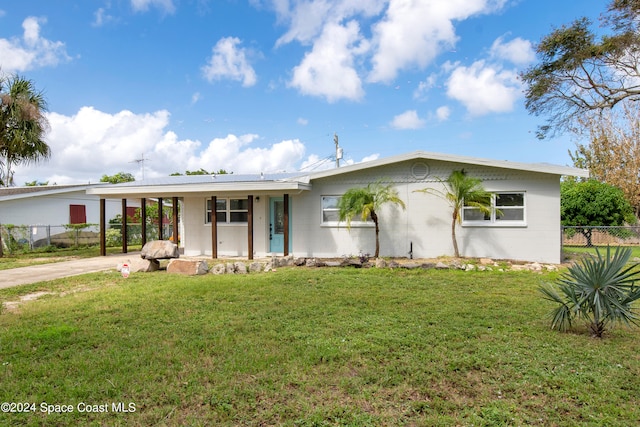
column 338, row 150
column 140, row 161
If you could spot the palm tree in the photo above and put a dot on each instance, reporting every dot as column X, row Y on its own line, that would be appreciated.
column 602, row 290
column 366, row 203
column 22, row 125
column 462, row 190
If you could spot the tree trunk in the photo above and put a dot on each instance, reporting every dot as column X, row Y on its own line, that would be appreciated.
column 587, row 233
column 453, row 234
column 374, row 217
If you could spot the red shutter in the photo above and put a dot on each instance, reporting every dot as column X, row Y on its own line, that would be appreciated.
column 78, row 214
column 131, row 211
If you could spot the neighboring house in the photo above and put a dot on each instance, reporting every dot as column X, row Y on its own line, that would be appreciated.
column 46, row 209
column 52, row 205
column 296, row 213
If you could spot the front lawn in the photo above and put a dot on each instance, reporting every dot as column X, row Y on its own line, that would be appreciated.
column 310, row 347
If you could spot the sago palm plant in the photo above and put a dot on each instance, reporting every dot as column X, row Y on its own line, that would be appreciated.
column 600, row 290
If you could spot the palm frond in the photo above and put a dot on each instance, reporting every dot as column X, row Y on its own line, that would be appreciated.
column 600, row 289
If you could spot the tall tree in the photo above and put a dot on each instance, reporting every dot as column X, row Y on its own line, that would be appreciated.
column 462, row 190
column 23, row 125
column 580, row 71
column 593, row 203
column 366, row 203
column 613, row 152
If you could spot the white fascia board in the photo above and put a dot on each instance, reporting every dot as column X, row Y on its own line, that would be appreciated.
column 44, row 193
column 191, row 189
column 423, row 155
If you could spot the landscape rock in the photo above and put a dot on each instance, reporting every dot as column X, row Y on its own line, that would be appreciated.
column 240, row 267
column 311, row 262
column 144, row 265
column 393, row 264
column 410, row 266
column 188, row 267
column 255, row 267
column 442, row 266
column 218, row 269
column 231, row 268
column 381, row 263
column 332, row 263
column 159, row 249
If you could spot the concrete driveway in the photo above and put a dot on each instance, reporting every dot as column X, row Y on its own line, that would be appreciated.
column 57, row 270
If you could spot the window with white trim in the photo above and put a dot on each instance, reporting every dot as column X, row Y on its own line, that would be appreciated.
column 331, row 213
column 228, row 211
column 507, row 208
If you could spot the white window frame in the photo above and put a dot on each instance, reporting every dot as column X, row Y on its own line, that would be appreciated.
column 227, row 211
column 495, row 220
column 355, row 222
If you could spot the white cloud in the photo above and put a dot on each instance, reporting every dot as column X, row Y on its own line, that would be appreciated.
column 484, row 88
column 234, row 153
column 92, row 143
column 308, row 19
column 328, row 70
column 517, row 51
column 424, row 87
column 443, row 113
column 302, row 121
column 230, row 62
column 165, row 6
column 407, row 120
column 101, row 17
column 414, row 32
column 196, row 97
column 31, row 51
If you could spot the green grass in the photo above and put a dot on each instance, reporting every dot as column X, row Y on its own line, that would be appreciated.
column 572, row 251
column 312, row 347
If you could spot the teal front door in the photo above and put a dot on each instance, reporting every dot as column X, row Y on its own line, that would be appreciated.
column 276, row 225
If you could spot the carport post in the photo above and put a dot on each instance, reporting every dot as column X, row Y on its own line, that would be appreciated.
column 124, row 226
column 143, row 219
column 160, row 224
column 175, row 221
column 250, row 227
column 214, row 228
column 103, row 234
column 286, row 224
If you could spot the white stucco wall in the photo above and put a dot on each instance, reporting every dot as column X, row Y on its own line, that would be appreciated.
column 425, row 224
column 232, row 238
column 54, row 209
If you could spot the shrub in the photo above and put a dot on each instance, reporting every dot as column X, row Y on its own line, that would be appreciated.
column 600, row 290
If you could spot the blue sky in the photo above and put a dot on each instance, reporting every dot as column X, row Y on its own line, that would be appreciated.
column 263, row 85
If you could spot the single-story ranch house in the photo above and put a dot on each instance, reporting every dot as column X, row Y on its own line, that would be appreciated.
column 296, row 213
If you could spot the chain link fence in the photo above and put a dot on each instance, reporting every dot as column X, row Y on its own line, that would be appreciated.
column 600, row 236
column 25, row 238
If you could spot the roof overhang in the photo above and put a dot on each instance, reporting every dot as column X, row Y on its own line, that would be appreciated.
column 199, row 189
column 427, row 156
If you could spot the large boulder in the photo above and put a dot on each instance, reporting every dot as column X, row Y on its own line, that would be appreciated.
column 159, row 249
column 144, row 265
column 187, row 266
